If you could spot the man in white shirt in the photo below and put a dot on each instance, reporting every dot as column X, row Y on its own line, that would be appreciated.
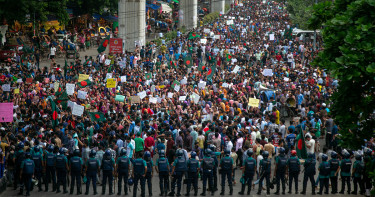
column 310, row 144
column 53, row 52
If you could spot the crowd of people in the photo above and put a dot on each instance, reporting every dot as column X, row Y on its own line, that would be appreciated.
column 200, row 106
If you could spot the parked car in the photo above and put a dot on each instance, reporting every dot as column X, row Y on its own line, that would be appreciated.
column 8, row 52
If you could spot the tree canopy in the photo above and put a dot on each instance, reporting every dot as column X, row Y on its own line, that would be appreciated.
column 348, row 55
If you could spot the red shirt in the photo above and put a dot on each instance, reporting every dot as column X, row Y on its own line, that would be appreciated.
column 149, row 141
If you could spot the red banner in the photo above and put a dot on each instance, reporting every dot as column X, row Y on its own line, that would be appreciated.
column 115, row 45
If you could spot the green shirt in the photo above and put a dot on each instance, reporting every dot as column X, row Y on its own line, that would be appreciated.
column 139, row 144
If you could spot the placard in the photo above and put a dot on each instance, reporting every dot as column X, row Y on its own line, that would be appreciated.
column 81, row 94
column 267, row 72
column 29, row 80
column 70, row 88
column 111, row 83
column 182, row 98
column 123, row 78
column 224, row 85
column 170, row 95
column 202, row 84
column 135, row 99
column 253, row 102
column 6, row 87
column 82, row 77
column 16, row 91
column 142, row 94
column 195, row 98
column 159, row 100
column 153, row 88
column 108, row 76
column 272, row 36
column 56, row 86
column 203, row 41
column 120, row 98
column 6, row 112
column 236, row 69
column 153, row 100
column 115, row 45
column 205, row 30
column 183, row 81
column 122, row 64
column 107, row 62
column 176, row 88
column 78, row 110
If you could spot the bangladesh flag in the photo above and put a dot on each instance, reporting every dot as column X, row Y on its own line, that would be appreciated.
column 63, row 100
column 103, row 46
column 301, row 146
column 229, row 57
column 193, row 35
column 172, row 64
column 148, row 76
column 54, row 114
column 97, row 116
column 211, row 72
column 175, row 83
column 188, row 61
column 58, row 92
column 211, row 59
column 86, row 63
column 201, row 67
column 84, row 83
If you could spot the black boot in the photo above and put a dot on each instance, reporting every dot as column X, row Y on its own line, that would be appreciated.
column 222, row 191
column 21, row 192
column 231, row 190
column 277, row 192
column 171, row 194
column 259, row 192
column 87, row 192
column 203, row 192
column 242, row 190
column 79, row 191
column 248, row 190
column 303, row 192
column 95, row 191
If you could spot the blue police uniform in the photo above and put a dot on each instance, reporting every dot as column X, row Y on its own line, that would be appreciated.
column 139, row 173
column 192, row 169
column 324, row 171
column 215, row 170
column 281, row 161
column 265, row 171
column 162, row 164
column 27, row 166
column 123, row 164
column 61, row 170
column 50, row 161
column 92, row 165
column 345, row 165
column 148, row 176
column 226, row 164
column 180, row 165
column 107, row 167
column 19, row 157
column 75, row 172
column 38, row 158
column 250, row 165
column 309, row 173
column 294, row 169
column 334, row 164
column 208, row 165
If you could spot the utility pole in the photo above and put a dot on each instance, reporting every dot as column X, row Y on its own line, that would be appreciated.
column 316, row 2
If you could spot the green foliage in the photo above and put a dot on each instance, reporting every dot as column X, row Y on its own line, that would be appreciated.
column 300, row 11
column 349, row 50
column 81, row 7
column 227, row 8
column 210, row 17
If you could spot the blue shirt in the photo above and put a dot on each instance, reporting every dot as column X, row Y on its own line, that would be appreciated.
column 290, row 139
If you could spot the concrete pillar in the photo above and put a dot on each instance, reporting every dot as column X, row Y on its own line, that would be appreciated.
column 132, row 23
column 188, row 13
column 218, row 6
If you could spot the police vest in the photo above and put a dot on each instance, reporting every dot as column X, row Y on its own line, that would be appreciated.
column 281, row 166
column 181, row 165
column 310, row 166
column 226, row 163
column 123, row 164
column 163, row 165
column 215, row 160
column 346, row 165
column 20, row 156
column 75, row 164
column 293, row 165
column 193, row 165
column 60, row 162
column 139, row 167
column 250, row 164
column 149, row 166
column 37, row 161
column 334, row 164
column 325, row 169
column 266, row 165
column 50, row 159
column 208, row 163
column 28, row 167
column 92, row 165
column 107, row 164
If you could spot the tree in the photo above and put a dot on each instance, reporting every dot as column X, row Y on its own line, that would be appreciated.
column 348, row 55
column 82, row 7
column 300, row 11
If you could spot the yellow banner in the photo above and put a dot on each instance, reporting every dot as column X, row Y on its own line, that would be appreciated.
column 111, row 83
column 253, row 102
column 82, row 77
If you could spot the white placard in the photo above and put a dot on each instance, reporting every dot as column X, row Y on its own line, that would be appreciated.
column 217, row 37
column 153, row 88
column 182, row 98
column 267, row 72
column 159, row 99
column 107, row 62
column 142, row 94
column 153, row 100
column 196, row 98
column 176, row 88
column 78, row 110
column 108, row 76
column 71, row 104
column 82, row 94
column 286, row 79
column 19, row 80
column 225, row 85
column 122, row 64
column 170, row 95
column 272, row 36
column 206, row 30
column 70, row 88
column 236, row 69
column 183, row 81
column 123, row 78
column 203, row 41
column 6, row 87
column 202, row 84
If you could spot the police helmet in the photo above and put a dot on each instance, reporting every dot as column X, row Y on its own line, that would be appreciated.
column 50, row 148
column 346, row 155
column 333, row 154
column 162, row 153
column 193, row 154
column 92, row 153
column 226, row 152
column 311, row 155
column 282, row 150
column 20, row 145
column 180, row 153
column 123, row 152
column 368, row 151
column 62, row 151
column 358, row 157
column 147, row 154
column 107, row 153
column 130, row 182
column 76, row 152
column 293, row 152
column 208, row 152
column 27, row 155
column 324, row 157
column 212, row 147
column 265, row 154
column 36, row 148
column 249, row 152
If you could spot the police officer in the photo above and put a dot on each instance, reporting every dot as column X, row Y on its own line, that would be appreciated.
column 122, row 169
column 280, row 170
column 208, row 164
column 369, row 167
column 192, row 169
column 150, row 171
column 108, row 165
column 18, row 158
column 213, row 155
column 139, row 171
column 39, row 165
column 75, row 166
column 358, row 171
column 334, row 164
column 309, row 173
column 61, row 169
column 265, row 172
column 162, row 167
column 249, row 168
column 226, row 164
column 324, row 171
column 178, row 170
column 293, row 167
column 50, row 162
column 345, row 166
column 92, row 168
column 27, row 168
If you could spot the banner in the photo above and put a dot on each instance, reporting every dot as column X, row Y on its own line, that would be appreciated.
column 253, row 102
column 82, row 77
column 111, row 83
column 6, row 112
column 115, row 45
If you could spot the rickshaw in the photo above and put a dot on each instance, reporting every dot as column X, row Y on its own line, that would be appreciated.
column 71, row 51
column 102, row 32
column 107, row 30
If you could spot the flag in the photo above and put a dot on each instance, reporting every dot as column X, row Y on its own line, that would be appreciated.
column 97, row 116
column 58, row 92
column 175, row 83
column 256, row 31
column 63, row 100
column 172, row 64
column 211, row 59
column 229, row 57
column 193, row 35
column 86, row 63
column 84, row 83
column 201, row 67
column 188, row 61
column 103, row 46
column 54, row 114
column 300, row 145
column 25, row 47
column 148, row 76
column 211, row 72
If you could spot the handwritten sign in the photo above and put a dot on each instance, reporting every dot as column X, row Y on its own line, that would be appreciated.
column 272, row 36
column 6, row 87
column 267, row 72
column 182, row 98
column 142, row 94
column 195, row 98
column 16, row 91
column 236, row 69
column 170, row 95
column 70, row 88
column 123, row 79
column 135, row 99
column 202, row 84
column 111, row 83
column 176, row 88
column 78, row 110
column 153, row 100
column 120, row 98
column 6, row 112
column 56, row 86
column 107, row 62
column 82, row 77
column 253, row 102
column 82, row 94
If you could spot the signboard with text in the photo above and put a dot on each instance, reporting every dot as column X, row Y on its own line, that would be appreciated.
column 115, row 45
